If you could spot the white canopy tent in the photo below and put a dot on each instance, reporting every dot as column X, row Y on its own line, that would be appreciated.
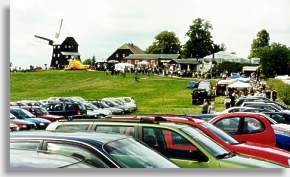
column 123, row 66
column 239, row 84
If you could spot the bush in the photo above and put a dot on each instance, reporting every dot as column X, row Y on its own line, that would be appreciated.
column 282, row 89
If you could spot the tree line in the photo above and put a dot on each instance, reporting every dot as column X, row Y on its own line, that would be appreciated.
column 274, row 58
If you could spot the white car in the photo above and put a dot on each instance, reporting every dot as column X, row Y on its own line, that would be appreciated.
column 93, row 110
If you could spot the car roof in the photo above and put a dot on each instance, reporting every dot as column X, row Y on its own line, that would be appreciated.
column 91, row 138
column 149, row 121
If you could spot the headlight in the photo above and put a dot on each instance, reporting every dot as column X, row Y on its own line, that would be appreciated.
column 41, row 124
column 24, row 126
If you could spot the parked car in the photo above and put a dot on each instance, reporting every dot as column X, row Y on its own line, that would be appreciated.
column 246, row 127
column 25, row 115
column 261, row 105
column 243, row 109
column 241, row 100
column 113, row 104
column 127, row 101
column 71, row 99
column 93, row 110
column 184, row 145
column 263, row 152
column 192, row 85
column 42, row 113
column 14, row 127
column 22, row 124
column 279, row 117
column 199, row 95
column 66, row 108
column 81, row 150
column 205, row 117
column 102, row 105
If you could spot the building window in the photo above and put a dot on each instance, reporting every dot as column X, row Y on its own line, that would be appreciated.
column 54, row 55
column 58, row 55
column 117, row 55
column 67, row 56
column 124, row 55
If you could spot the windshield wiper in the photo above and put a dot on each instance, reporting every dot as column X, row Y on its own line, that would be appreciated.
column 225, row 155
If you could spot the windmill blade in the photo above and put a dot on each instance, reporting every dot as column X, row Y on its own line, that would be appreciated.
column 57, row 34
column 50, row 42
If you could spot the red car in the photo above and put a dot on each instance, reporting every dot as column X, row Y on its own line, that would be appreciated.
column 42, row 113
column 250, row 149
column 246, row 127
column 22, row 124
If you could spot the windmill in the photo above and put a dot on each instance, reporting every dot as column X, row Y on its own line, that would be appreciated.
column 61, row 52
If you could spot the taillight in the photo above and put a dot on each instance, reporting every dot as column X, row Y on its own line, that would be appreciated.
column 78, row 112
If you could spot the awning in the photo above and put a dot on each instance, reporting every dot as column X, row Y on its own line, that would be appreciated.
column 239, row 84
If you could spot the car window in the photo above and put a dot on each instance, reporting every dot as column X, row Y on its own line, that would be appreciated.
column 279, row 118
column 25, row 145
column 55, row 107
column 126, row 130
column 170, row 144
column 70, row 107
column 72, row 128
column 74, row 150
column 229, row 125
column 252, row 125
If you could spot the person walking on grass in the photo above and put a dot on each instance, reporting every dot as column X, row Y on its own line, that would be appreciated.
column 205, row 107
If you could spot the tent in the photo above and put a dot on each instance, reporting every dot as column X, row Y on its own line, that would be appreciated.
column 143, row 63
column 123, row 66
column 239, row 84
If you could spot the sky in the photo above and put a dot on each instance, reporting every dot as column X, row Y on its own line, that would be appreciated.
column 101, row 26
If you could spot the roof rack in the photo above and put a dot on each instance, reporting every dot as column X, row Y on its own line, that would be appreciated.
column 155, row 120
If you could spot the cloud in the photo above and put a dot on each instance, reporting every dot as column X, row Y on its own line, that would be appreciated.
column 100, row 26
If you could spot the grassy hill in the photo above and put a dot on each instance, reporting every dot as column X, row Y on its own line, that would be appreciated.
column 153, row 94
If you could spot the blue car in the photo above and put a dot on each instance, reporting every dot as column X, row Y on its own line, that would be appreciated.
column 283, row 140
column 27, row 116
column 192, row 85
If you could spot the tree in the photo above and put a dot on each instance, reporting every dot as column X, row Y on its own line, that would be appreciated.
column 262, row 40
column 165, row 43
column 87, row 61
column 274, row 59
column 200, row 43
column 93, row 61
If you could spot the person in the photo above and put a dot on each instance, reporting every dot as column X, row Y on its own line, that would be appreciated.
column 274, row 95
column 211, row 109
column 227, row 102
column 233, row 99
column 205, row 107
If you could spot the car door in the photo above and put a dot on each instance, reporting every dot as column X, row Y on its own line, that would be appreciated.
column 175, row 147
column 248, row 129
column 254, row 130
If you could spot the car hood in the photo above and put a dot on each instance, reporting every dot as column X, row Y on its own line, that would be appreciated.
column 246, row 162
column 38, row 120
column 21, row 121
column 272, row 153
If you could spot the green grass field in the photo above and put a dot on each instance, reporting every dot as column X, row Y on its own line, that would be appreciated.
column 153, row 94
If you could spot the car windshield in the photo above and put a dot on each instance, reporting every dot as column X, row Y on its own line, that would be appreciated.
column 131, row 154
column 40, row 111
column 24, row 114
column 91, row 106
column 112, row 104
column 220, row 133
column 207, row 143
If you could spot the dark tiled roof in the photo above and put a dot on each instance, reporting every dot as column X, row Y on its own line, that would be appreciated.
column 135, row 49
column 152, row 56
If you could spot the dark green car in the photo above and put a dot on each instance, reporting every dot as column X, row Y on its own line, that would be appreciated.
column 186, row 146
